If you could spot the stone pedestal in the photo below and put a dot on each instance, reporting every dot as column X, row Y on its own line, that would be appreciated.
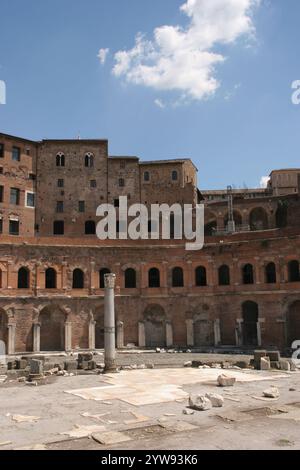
column 169, row 334
column 109, row 323
column 142, row 336
column 120, row 335
column 92, row 341
column 36, row 337
column 68, row 336
column 217, row 332
column 190, row 333
column 11, row 338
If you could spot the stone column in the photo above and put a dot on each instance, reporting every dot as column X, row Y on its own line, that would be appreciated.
column 109, row 323
column 11, row 338
column 239, row 332
column 259, row 340
column 142, row 336
column 68, row 336
column 217, row 332
column 36, row 337
column 189, row 333
column 169, row 334
column 120, row 335
column 92, row 340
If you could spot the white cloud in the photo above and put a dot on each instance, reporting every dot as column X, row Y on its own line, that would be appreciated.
column 102, row 55
column 184, row 59
column 159, row 103
column 264, row 181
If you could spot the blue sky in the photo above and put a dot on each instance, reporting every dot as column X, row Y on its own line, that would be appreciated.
column 57, row 87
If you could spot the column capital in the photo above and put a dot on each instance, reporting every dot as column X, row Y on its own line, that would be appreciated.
column 110, row 281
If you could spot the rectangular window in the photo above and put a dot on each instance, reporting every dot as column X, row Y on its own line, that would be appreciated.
column 60, row 183
column 16, row 154
column 14, row 227
column 15, row 196
column 1, row 150
column 121, row 183
column 30, row 200
column 58, row 227
column 1, row 225
column 1, row 193
column 93, row 184
column 32, row 176
column 81, row 206
column 117, row 202
column 59, row 207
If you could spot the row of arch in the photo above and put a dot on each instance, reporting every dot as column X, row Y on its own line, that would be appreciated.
column 53, row 322
column 258, row 219
column 154, row 276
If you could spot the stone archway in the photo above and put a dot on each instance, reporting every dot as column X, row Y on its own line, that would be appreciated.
column 155, row 327
column 293, row 323
column 52, row 329
column 250, row 323
column 203, row 330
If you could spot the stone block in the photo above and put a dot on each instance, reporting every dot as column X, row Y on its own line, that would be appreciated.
column 21, row 364
column 70, row 365
column 225, row 381
column 271, row 392
column 36, row 367
column 274, row 356
column 85, row 357
column 265, row 363
column 200, row 403
column 275, row 365
column 257, row 357
column 285, row 365
column 216, row 399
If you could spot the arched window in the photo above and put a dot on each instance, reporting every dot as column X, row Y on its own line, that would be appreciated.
column 293, row 268
column 174, row 175
column 50, row 278
column 154, row 278
column 60, row 159
column 23, row 278
column 177, row 277
column 201, row 279
column 224, row 275
column 102, row 273
column 78, row 279
column 258, row 219
column 248, row 276
column 89, row 160
column 146, row 176
column 270, row 273
column 130, row 278
column 90, row 227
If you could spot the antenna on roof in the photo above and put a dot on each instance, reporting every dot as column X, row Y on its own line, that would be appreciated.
column 79, row 136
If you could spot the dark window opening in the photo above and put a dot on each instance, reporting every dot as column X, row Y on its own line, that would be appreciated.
column 271, row 273
column 78, row 279
column 60, row 183
column 248, row 275
column 90, row 227
column 1, row 193
column 177, row 277
column 89, row 160
column 59, row 207
column 146, row 176
column 224, row 276
column 16, row 154
column 154, row 278
column 1, row 150
column 294, row 273
column 121, row 182
column 130, row 278
column 50, row 278
column 58, row 227
column 23, row 278
column 201, row 278
column 14, row 227
column 60, row 160
column 15, row 196
column 174, row 175
column 81, row 206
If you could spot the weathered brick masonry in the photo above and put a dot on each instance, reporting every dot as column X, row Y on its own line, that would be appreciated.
column 241, row 290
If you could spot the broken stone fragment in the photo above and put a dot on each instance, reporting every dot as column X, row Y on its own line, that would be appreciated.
column 285, row 365
column 265, row 363
column 188, row 364
column 216, row 399
column 226, row 381
column 271, row 392
column 200, row 403
column 188, row 412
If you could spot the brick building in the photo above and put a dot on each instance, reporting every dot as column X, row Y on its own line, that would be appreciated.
column 241, row 290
